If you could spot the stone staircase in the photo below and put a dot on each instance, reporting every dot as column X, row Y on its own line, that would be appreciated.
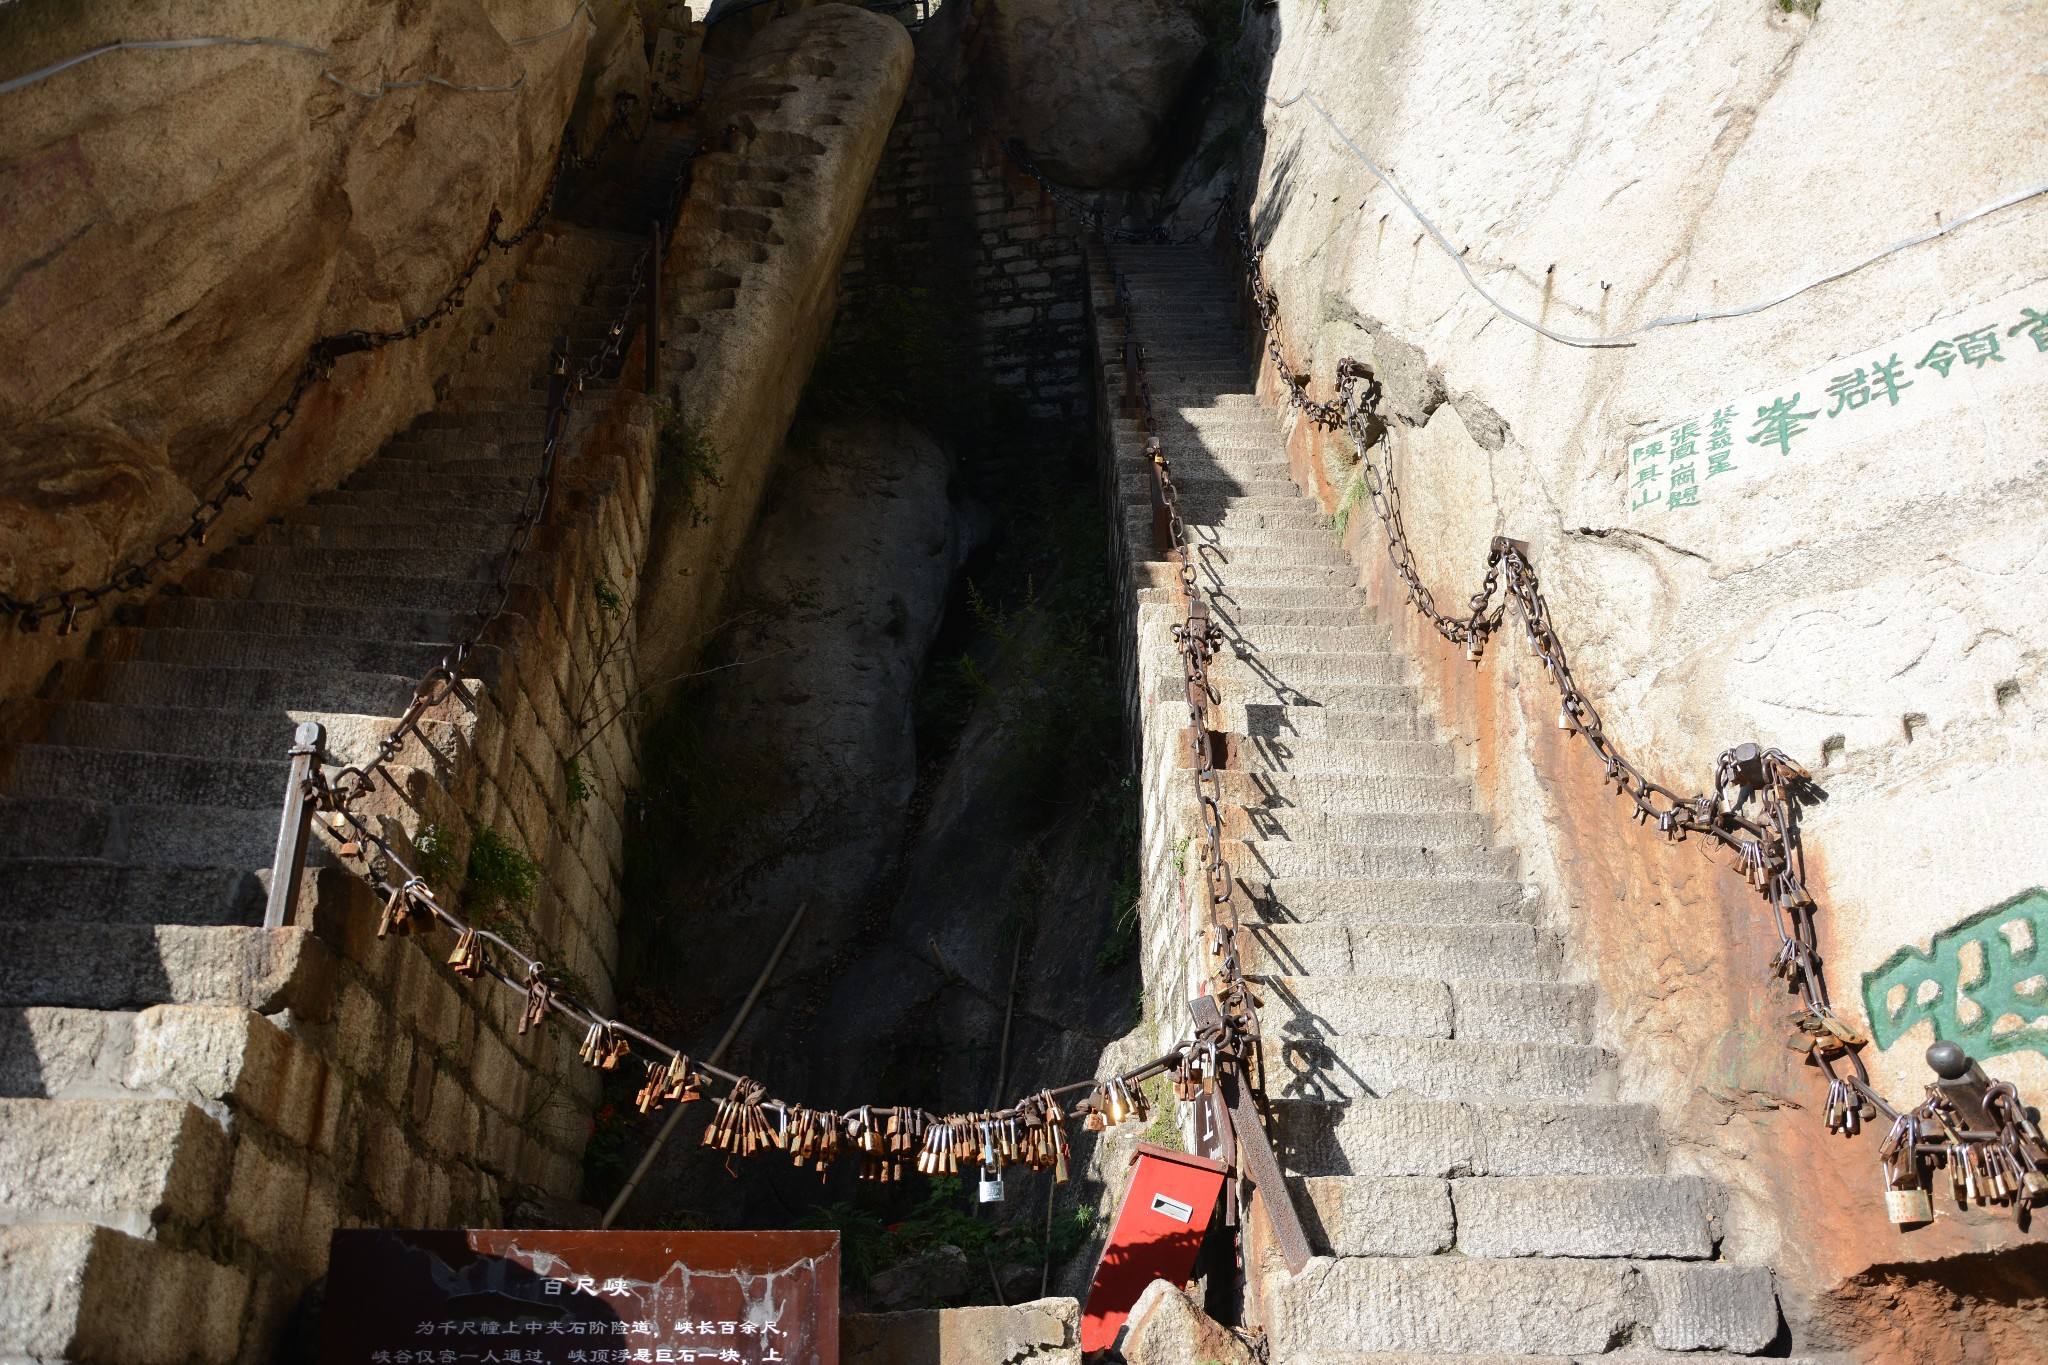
column 1473, row 1185
column 187, row 1102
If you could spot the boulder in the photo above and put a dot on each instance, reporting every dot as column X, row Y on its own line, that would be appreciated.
column 1087, row 88
column 1043, row 1332
column 1166, row 1328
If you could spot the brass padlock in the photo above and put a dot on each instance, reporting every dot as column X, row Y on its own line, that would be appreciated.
column 1906, row 1207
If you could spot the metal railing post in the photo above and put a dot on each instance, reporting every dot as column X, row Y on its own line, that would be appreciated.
column 654, row 309
column 289, row 863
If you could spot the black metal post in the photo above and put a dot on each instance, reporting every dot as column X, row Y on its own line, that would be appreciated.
column 289, row 863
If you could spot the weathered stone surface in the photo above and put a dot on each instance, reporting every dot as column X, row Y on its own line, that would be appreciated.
column 1088, row 89
column 1855, row 610
column 1167, row 1328
column 758, row 285
column 74, row 1291
column 126, row 1163
column 129, row 264
column 842, row 589
column 1043, row 1332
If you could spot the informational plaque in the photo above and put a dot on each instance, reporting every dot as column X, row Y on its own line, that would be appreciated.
column 497, row 1297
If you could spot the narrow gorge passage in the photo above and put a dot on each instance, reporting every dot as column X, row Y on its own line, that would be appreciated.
column 907, row 722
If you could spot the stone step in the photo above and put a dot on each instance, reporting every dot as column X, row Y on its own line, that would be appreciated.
column 142, row 683
column 1418, row 1007
column 91, row 891
column 1344, row 1067
column 112, row 832
column 396, row 477
column 425, row 561
column 350, row 621
column 1257, row 643
column 1341, row 792
column 1406, row 829
column 1440, row 901
column 1211, row 504
column 132, row 966
column 216, row 649
column 1456, row 1303
column 1637, row 1216
column 387, row 591
column 1291, row 673
column 1511, row 950
column 380, row 537
column 1453, row 1138
column 1275, row 747
column 82, row 1292
column 402, row 504
column 125, row 1164
column 1285, row 678
column 218, row 734
column 1279, row 859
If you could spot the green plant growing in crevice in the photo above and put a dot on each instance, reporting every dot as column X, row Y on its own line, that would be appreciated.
column 1121, row 943
column 1164, row 1130
column 575, row 786
column 1354, row 491
column 685, row 464
column 870, row 1243
column 435, row 860
column 1809, row 8
column 499, row 874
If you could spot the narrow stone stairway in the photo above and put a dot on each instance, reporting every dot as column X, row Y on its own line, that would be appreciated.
column 170, row 1159
column 1474, row 1188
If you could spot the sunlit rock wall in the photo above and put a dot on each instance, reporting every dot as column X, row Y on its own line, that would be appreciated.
column 1866, row 594
column 177, row 227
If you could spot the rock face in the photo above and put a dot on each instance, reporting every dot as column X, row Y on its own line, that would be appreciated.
column 1851, row 599
column 841, row 589
column 804, row 116
column 1087, row 88
column 180, row 225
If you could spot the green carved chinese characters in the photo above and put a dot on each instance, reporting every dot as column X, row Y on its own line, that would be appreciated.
column 1977, row 978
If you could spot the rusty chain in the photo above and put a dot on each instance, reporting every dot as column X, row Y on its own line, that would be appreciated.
column 66, row 605
column 1029, row 1131
column 1197, row 640
column 2001, row 1158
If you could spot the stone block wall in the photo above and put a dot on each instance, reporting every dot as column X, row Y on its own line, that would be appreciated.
column 948, row 213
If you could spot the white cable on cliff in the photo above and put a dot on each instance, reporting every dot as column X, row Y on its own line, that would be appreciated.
column 383, row 88
column 1670, row 319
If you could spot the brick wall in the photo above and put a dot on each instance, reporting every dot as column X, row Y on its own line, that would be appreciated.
column 949, row 214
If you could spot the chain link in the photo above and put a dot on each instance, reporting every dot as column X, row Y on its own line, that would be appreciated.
column 1752, row 809
column 66, row 605
column 1197, row 1061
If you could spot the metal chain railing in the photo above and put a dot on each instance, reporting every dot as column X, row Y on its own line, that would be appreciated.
column 1977, row 1129
column 749, row 1119
column 66, row 605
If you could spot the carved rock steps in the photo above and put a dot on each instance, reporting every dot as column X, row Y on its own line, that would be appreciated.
column 162, row 1139
column 1472, row 1183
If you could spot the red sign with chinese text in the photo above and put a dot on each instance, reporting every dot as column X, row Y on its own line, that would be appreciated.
column 515, row 1297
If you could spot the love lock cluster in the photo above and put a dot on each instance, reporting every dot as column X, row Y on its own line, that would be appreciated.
column 1975, row 1128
